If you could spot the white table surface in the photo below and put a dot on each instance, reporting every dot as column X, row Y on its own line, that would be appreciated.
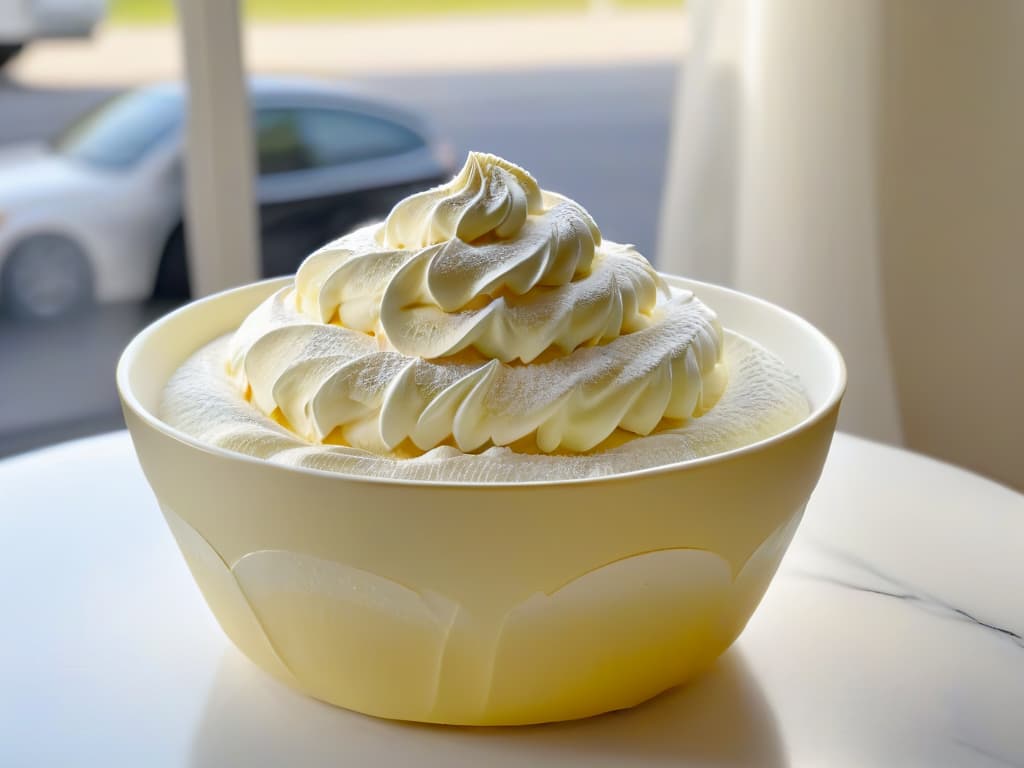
column 893, row 635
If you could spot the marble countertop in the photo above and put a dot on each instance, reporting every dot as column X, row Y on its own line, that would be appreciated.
column 893, row 635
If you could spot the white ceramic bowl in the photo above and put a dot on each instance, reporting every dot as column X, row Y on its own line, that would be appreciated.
column 482, row 604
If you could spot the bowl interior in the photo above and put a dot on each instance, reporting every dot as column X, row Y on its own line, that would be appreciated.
column 804, row 349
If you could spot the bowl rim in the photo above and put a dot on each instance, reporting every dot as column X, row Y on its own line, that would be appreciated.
column 824, row 408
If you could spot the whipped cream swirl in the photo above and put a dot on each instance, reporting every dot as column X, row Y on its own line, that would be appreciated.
column 486, row 311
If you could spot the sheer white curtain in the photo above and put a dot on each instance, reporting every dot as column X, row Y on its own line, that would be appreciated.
column 862, row 163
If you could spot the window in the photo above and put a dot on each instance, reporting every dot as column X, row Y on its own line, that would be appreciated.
column 279, row 142
column 300, row 139
column 336, row 136
column 124, row 130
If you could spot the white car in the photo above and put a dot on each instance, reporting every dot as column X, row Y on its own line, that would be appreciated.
column 22, row 21
column 97, row 216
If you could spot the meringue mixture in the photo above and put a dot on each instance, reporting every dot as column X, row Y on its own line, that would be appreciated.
column 484, row 332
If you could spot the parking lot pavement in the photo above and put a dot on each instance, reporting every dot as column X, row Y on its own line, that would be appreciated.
column 57, row 378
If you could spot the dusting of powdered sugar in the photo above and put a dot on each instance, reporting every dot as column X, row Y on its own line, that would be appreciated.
column 761, row 399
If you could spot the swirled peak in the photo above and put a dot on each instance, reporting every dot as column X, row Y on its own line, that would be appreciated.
column 482, row 312
column 489, row 195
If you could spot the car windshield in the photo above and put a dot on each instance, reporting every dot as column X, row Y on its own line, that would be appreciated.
column 124, row 130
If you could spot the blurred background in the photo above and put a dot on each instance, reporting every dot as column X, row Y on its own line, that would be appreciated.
column 91, row 124
column 860, row 163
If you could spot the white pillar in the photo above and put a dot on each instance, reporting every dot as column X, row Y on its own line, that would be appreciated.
column 220, row 212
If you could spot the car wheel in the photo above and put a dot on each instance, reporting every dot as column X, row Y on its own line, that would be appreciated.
column 8, row 51
column 172, row 274
column 46, row 276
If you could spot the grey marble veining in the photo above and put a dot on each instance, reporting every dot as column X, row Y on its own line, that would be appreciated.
column 875, row 582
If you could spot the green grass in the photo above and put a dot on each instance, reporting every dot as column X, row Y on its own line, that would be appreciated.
column 162, row 11
column 650, row 3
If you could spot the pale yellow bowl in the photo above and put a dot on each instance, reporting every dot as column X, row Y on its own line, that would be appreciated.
column 481, row 604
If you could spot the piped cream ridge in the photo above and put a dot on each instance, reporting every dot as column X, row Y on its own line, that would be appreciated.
column 761, row 399
column 486, row 311
column 484, row 332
